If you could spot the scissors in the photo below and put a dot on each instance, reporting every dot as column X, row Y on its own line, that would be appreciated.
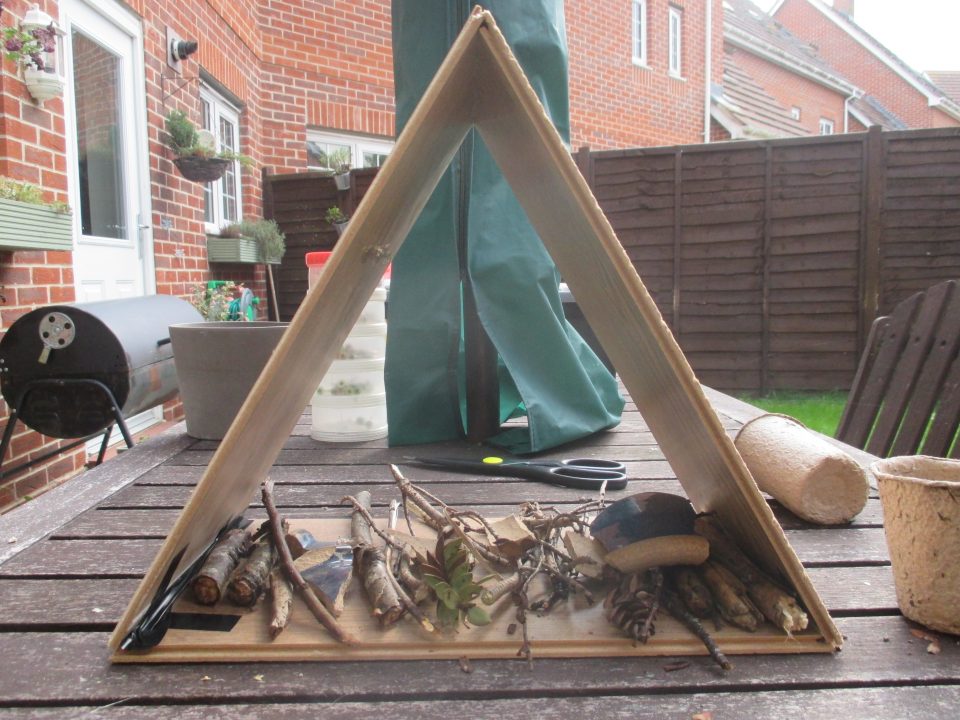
column 583, row 473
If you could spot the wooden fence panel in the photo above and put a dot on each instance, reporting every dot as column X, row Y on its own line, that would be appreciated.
column 768, row 259
column 781, row 253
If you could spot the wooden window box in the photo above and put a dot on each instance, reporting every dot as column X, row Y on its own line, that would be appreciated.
column 28, row 226
column 235, row 250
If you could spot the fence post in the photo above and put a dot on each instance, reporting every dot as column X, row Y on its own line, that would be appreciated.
column 871, row 232
column 584, row 160
column 677, row 234
column 765, row 270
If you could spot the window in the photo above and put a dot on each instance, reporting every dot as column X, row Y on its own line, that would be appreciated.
column 222, row 200
column 639, row 26
column 675, row 33
column 826, row 126
column 327, row 150
column 795, row 112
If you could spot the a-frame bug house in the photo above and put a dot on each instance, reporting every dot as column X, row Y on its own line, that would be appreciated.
column 480, row 85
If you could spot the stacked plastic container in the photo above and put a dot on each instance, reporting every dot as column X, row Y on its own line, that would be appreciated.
column 351, row 403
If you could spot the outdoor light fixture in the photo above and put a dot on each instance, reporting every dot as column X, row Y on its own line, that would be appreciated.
column 182, row 49
column 43, row 73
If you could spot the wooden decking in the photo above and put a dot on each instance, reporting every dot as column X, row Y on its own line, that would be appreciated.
column 70, row 561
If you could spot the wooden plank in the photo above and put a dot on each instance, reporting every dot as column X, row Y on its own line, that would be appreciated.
column 880, row 651
column 849, row 703
column 919, row 336
column 22, row 527
column 130, row 557
column 931, row 379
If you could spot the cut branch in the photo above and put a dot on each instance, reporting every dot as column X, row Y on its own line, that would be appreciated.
column 286, row 561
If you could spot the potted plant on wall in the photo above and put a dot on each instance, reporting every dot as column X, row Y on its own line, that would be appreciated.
column 249, row 241
column 27, row 222
column 196, row 156
column 336, row 217
column 33, row 47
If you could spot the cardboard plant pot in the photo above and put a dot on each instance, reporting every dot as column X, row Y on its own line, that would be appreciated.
column 217, row 364
column 921, row 516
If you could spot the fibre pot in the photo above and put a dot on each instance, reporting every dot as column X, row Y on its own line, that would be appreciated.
column 217, row 364
column 921, row 516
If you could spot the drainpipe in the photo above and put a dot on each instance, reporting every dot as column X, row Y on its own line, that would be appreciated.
column 708, row 71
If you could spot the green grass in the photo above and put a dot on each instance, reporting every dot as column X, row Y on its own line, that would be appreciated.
column 818, row 411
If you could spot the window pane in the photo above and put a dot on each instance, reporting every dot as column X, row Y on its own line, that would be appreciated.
column 228, row 183
column 206, row 122
column 96, row 95
column 639, row 31
column 374, row 159
column 674, row 42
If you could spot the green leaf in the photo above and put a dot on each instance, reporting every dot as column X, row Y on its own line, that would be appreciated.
column 470, row 591
column 446, row 616
column 451, row 549
column 478, row 616
column 461, row 576
column 447, row 595
column 433, row 581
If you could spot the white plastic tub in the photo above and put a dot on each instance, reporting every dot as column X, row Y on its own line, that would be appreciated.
column 374, row 312
column 353, row 377
column 365, row 342
column 348, row 418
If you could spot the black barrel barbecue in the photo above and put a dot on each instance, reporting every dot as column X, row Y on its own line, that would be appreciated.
column 73, row 371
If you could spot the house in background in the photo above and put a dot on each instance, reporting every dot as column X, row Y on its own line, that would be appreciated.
column 288, row 84
column 776, row 84
column 901, row 91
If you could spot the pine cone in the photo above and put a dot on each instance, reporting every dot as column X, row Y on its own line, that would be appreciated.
column 633, row 603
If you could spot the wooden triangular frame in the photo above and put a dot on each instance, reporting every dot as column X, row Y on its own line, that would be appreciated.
column 480, row 85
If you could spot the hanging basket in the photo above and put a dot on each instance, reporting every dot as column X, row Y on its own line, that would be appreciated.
column 202, row 169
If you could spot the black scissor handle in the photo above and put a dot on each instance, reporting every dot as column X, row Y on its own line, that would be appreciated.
column 596, row 464
column 584, row 478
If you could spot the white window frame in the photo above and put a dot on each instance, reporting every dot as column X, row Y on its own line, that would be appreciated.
column 214, row 192
column 358, row 145
column 795, row 112
column 639, row 32
column 675, row 42
column 826, row 126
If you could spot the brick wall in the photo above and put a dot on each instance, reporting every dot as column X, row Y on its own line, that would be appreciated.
column 860, row 66
column 292, row 67
column 615, row 103
column 815, row 101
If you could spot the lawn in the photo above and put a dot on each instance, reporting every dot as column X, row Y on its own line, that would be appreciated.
column 818, row 411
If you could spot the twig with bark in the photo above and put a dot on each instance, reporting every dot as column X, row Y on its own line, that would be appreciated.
column 210, row 582
column 371, row 564
column 296, row 579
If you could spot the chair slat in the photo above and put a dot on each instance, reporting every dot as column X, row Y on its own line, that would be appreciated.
column 876, row 382
column 929, row 390
column 907, row 370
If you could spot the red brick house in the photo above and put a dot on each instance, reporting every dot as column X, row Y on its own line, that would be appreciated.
column 776, row 84
column 286, row 83
column 866, row 63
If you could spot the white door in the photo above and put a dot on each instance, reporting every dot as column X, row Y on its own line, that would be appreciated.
column 107, row 156
column 106, row 138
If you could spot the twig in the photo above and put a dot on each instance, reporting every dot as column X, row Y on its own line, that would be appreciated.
column 371, row 563
column 296, row 579
column 675, row 607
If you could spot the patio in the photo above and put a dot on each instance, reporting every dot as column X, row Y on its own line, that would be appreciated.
column 70, row 561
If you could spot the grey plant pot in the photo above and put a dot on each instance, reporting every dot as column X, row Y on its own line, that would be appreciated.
column 217, row 364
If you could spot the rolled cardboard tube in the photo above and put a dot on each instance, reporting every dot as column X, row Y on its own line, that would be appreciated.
column 815, row 480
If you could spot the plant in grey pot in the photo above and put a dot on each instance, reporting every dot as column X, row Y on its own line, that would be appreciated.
column 336, row 217
column 219, row 361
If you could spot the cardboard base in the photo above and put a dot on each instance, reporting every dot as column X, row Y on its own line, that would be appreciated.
column 572, row 629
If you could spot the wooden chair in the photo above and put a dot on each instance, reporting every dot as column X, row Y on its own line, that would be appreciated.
column 905, row 398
